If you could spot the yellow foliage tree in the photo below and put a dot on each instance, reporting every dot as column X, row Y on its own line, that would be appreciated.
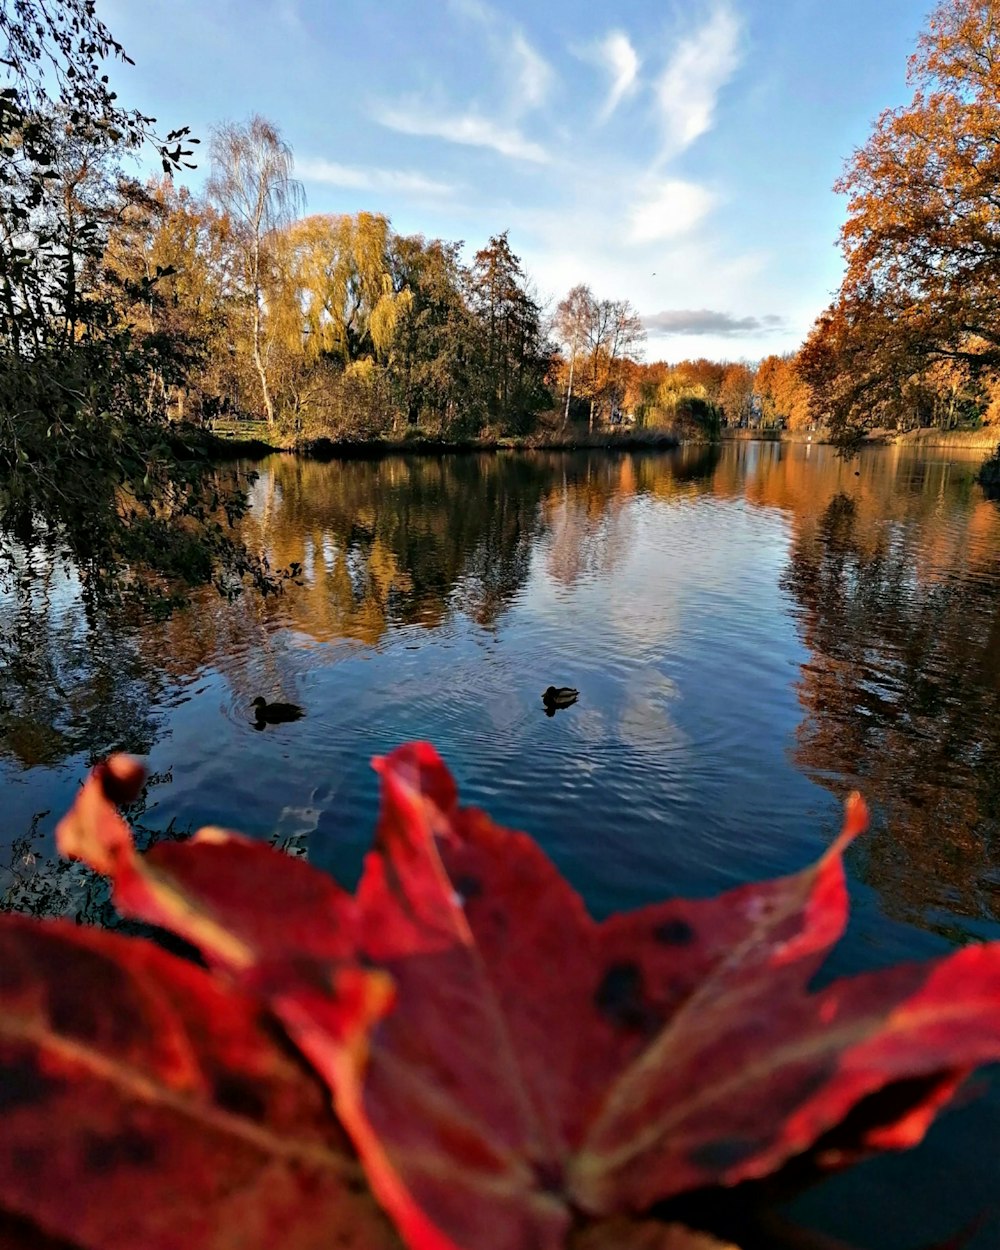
column 336, row 297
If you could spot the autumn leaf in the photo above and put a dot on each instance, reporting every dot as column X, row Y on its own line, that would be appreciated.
column 509, row 1069
column 144, row 1103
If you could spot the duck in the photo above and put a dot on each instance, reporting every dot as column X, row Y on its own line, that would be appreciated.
column 274, row 713
column 559, row 697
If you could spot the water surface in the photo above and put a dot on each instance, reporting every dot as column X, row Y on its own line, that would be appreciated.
column 753, row 634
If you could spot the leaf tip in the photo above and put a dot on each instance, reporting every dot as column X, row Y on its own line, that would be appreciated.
column 856, row 817
column 92, row 830
column 120, row 778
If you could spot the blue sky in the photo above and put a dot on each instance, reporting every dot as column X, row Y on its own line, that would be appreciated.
column 680, row 155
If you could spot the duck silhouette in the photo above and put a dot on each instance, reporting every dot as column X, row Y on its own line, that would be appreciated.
column 557, row 698
column 274, row 713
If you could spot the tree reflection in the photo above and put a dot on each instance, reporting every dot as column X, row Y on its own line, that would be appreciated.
column 381, row 544
column 902, row 686
column 72, row 680
column 409, row 541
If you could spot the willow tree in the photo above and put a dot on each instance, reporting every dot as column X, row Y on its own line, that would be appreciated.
column 251, row 182
column 338, row 287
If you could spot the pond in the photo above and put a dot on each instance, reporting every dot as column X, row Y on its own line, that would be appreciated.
column 754, row 631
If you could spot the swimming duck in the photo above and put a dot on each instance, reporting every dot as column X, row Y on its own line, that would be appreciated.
column 559, row 697
column 274, row 713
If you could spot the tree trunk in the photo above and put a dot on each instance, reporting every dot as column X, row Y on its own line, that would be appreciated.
column 569, row 388
column 258, row 361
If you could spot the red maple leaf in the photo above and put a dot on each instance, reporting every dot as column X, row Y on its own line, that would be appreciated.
column 515, row 1075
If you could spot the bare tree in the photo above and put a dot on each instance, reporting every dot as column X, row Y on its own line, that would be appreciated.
column 599, row 331
column 571, row 323
column 251, row 182
column 626, row 334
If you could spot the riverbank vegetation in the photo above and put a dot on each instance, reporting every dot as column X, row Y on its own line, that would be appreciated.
column 90, row 471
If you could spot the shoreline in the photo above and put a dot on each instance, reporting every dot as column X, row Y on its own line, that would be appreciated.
column 229, row 445
column 253, row 445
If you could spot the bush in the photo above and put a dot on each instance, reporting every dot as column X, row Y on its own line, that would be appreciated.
column 989, row 473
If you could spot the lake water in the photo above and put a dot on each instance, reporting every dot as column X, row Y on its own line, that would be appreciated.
column 753, row 633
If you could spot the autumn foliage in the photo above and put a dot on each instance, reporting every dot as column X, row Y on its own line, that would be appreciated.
column 913, row 336
column 504, row 1071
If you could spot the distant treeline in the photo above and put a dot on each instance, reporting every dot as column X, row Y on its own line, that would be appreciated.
column 337, row 326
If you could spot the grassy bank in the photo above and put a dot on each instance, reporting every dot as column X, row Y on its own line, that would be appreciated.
column 976, row 440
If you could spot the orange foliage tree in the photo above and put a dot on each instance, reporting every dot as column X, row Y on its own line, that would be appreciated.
column 922, row 236
column 783, row 394
column 736, row 394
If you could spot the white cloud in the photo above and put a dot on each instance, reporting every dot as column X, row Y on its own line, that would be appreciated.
column 529, row 74
column 698, row 69
column 534, row 74
column 616, row 53
column 669, row 208
column 353, row 177
column 467, row 128
column 527, row 80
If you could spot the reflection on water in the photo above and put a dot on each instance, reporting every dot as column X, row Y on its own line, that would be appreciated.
column 752, row 632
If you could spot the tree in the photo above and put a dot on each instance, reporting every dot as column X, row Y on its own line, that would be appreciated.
column 57, row 99
column 87, row 473
column 514, row 354
column 165, row 272
column 922, row 236
column 433, row 346
column 336, row 287
column 571, row 323
column 783, row 395
column 251, row 182
column 736, row 394
column 626, row 335
column 612, row 333
column 676, row 395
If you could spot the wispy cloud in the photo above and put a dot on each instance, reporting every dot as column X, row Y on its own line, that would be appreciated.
column 534, row 75
column 359, row 178
column 468, row 128
column 699, row 67
column 530, row 75
column 616, row 54
column 527, row 77
column 710, row 321
column 667, row 208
